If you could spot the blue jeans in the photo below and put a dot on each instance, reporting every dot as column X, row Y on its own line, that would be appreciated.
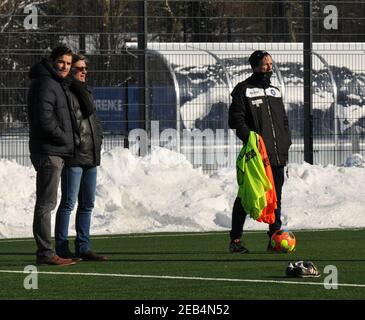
column 77, row 183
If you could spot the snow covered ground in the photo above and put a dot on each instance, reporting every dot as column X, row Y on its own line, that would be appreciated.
column 163, row 192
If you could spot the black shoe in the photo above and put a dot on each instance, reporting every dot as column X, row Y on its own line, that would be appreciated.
column 302, row 269
column 92, row 256
column 236, row 246
column 270, row 248
column 290, row 270
column 69, row 255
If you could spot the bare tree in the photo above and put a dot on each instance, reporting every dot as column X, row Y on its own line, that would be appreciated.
column 9, row 8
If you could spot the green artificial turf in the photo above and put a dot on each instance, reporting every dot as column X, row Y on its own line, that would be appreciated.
column 197, row 255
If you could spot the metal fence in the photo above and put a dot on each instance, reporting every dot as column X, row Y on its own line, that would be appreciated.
column 168, row 67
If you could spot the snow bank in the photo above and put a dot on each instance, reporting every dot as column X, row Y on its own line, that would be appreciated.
column 163, row 192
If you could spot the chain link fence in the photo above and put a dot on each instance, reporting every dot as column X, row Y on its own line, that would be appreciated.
column 168, row 67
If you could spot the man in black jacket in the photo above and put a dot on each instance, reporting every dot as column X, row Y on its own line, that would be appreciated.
column 51, row 139
column 258, row 106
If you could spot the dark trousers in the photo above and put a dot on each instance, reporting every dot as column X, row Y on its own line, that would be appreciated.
column 49, row 170
column 239, row 214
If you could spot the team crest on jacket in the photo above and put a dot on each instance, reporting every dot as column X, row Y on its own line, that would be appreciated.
column 273, row 92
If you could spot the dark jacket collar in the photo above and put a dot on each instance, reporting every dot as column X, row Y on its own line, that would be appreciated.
column 259, row 79
column 45, row 68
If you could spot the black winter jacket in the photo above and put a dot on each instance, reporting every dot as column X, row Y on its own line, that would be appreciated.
column 88, row 133
column 49, row 115
column 260, row 108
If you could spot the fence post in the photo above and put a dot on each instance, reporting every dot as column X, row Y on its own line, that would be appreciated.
column 308, row 111
column 355, row 139
column 142, row 63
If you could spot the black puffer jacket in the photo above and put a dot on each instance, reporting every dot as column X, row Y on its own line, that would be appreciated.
column 260, row 108
column 89, row 133
column 50, row 118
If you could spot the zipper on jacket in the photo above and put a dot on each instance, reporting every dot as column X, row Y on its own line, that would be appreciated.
column 272, row 127
column 93, row 133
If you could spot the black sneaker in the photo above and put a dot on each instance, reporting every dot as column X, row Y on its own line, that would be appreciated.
column 302, row 269
column 92, row 256
column 269, row 248
column 290, row 270
column 236, row 247
column 308, row 270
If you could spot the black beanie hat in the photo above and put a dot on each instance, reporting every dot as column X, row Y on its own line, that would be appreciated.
column 256, row 57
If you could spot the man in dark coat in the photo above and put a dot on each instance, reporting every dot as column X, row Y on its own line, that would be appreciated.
column 51, row 139
column 258, row 106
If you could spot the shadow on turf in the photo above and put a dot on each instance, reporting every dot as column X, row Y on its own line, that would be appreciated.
column 284, row 260
column 246, row 257
column 190, row 252
column 237, row 258
column 17, row 254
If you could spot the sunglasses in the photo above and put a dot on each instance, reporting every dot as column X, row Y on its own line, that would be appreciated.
column 81, row 68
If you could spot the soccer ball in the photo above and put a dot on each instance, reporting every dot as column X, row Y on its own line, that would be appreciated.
column 283, row 241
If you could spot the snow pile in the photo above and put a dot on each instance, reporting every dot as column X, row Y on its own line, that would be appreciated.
column 355, row 160
column 163, row 192
column 324, row 197
column 17, row 198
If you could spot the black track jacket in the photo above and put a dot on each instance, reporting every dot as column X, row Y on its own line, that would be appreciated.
column 260, row 108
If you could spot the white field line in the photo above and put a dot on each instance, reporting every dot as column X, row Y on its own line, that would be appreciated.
column 120, row 275
column 178, row 234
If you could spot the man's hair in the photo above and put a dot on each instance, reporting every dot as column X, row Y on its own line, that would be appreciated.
column 77, row 57
column 60, row 51
column 256, row 57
